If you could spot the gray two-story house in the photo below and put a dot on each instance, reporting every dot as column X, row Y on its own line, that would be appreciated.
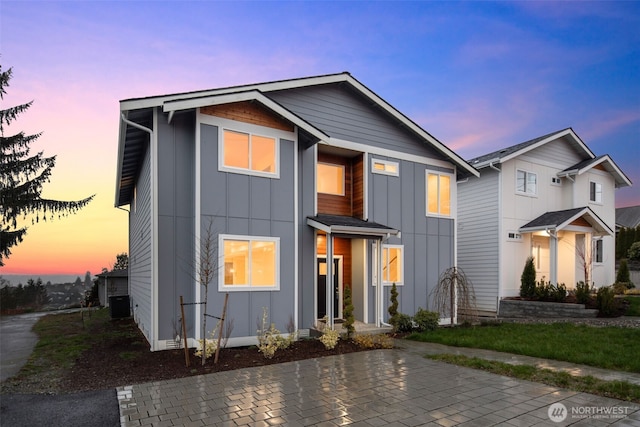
column 286, row 175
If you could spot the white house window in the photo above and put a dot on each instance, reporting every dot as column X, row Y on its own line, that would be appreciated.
column 255, row 154
column 526, row 182
column 556, row 180
column 595, row 192
column 385, row 167
column 514, row 236
column 438, row 194
column 392, row 264
column 598, row 251
column 249, row 263
column 330, row 179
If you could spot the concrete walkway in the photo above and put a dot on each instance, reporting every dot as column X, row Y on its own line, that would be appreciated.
column 373, row 388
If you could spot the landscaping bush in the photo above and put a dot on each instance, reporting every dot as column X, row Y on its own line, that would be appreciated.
column 582, row 293
column 425, row 320
column 543, row 290
column 558, row 292
column 393, row 307
column 347, row 312
column 403, row 323
column 605, row 300
column 528, row 279
column 634, row 252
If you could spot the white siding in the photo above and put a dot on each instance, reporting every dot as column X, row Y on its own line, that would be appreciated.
column 478, row 230
column 140, row 251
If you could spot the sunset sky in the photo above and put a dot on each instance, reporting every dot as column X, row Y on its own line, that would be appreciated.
column 478, row 76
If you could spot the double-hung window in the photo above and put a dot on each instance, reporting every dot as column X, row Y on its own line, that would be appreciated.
column 526, row 182
column 595, row 192
column 249, row 153
column 438, row 194
column 249, row 263
column 598, row 250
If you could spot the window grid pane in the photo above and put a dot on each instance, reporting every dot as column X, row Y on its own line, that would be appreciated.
column 263, row 263
column 236, row 262
column 432, row 193
column 236, row 149
column 263, row 154
column 330, row 179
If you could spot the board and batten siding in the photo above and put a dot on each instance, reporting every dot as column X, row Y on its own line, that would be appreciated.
column 344, row 114
column 240, row 204
column 140, row 249
column 478, row 236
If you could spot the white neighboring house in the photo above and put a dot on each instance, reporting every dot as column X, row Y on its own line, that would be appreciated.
column 550, row 197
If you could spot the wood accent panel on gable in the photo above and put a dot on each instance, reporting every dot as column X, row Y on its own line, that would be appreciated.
column 248, row 112
column 600, row 167
column 581, row 222
column 341, row 246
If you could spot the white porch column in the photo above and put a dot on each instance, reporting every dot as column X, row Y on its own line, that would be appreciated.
column 553, row 258
column 330, row 287
column 379, row 291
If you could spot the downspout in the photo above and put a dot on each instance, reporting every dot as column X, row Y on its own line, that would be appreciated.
column 499, row 236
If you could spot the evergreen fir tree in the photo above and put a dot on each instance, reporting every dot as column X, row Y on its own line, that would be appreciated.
column 347, row 312
column 528, row 279
column 21, row 179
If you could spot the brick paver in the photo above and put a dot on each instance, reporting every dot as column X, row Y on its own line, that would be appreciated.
column 370, row 388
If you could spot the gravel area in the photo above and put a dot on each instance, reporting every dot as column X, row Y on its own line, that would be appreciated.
column 621, row 322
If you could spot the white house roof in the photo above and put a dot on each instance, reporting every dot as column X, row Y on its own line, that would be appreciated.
column 132, row 138
column 606, row 162
column 559, row 220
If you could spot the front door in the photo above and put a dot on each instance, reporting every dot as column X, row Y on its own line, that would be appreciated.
column 322, row 287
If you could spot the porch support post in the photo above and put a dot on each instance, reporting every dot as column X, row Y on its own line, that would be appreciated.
column 330, row 287
column 379, row 290
column 553, row 258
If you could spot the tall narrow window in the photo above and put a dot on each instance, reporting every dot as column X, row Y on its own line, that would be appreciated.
column 438, row 194
column 330, row 179
column 244, row 151
column 595, row 192
column 392, row 264
column 526, row 182
column 599, row 250
column 249, row 262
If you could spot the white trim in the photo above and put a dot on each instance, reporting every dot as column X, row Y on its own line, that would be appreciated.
column 198, row 224
column 340, row 259
column 239, row 288
column 365, row 186
column 390, row 246
column 363, row 148
column 296, row 257
column 249, row 171
column 154, row 232
column 526, row 181
column 596, row 185
column 315, row 184
column 385, row 164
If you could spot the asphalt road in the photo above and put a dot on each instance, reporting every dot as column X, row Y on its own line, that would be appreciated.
column 95, row 408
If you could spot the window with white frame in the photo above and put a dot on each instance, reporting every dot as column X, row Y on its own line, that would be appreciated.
column 249, row 153
column 514, row 236
column 392, row 264
column 249, row 263
column 330, row 179
column 598, row 250
column 385, row 167
column 438, row 194
column 556, row 181
column 595, row 192
column 526, row 182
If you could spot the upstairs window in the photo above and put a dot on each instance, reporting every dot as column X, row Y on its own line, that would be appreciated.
column 385, row 167
column 330, row 179
column 526, row 182
column 438, row 194
column 248, row 152
column 595, row 192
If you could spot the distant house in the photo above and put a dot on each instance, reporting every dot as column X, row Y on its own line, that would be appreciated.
column 112, row 283
column 628, row 217
column 550, row 198
column 311, row 185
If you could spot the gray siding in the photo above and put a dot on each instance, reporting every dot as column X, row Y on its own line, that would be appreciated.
column 140, row 250
column 255, row 206
column 478, row 231
column 306, row 237
column 176, row 154
column 344, row 114
column 400, row 202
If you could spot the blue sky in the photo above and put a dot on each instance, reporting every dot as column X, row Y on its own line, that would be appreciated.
column 478, row 76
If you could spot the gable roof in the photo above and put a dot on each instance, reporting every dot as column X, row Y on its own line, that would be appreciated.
column 137, row 111
column 504, row 154
column 348, row 225
column 628, row 217
column 559, row 220
column 606, row 162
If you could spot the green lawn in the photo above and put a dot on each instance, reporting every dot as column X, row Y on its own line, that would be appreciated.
column 609, row 348
column 634, row 306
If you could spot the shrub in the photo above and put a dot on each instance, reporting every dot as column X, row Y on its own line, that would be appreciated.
column 373, row 341
column 582, row 293
column 425, row 320
column 270, row 340
column 329, row 338
column 543, row 290
column 347, row 312
column 403, row 323
column 634, row 252
column 605, row 300
column 393, row 307
column 623, row 274
column 558, row 292
column 528, row 279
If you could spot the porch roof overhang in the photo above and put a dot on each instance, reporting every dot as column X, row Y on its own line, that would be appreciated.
column 350, row 226
column 567, row 220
